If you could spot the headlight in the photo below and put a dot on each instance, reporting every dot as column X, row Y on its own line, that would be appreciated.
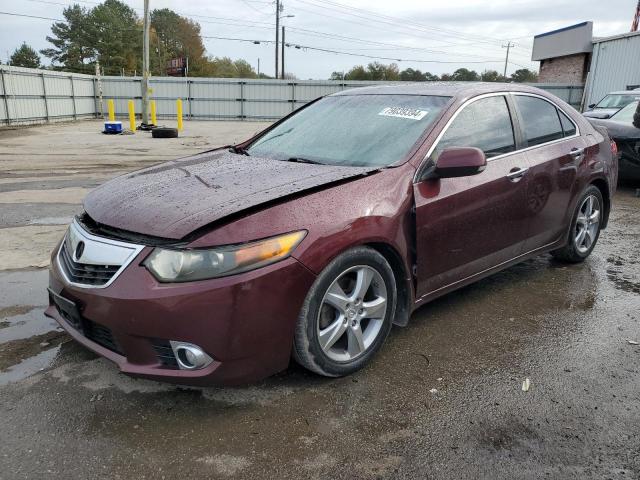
column 188, row 265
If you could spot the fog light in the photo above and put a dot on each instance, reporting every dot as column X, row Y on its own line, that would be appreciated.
column 190, row 356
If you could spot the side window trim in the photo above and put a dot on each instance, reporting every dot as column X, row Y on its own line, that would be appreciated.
column 521, row 142
column 516, row 123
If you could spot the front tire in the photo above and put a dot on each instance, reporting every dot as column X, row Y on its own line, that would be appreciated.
column 347, row 314
column 585, row 227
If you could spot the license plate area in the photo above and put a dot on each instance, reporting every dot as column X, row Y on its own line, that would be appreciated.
column 67, row 309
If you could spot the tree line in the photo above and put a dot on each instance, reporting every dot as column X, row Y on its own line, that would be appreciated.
column 391, row 72
column 111, row 33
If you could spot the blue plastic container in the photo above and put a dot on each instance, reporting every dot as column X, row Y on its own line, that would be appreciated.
column 113, row 127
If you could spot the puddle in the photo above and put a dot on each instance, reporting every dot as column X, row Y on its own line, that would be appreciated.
column 26, row 325
column 29, row 366
column 14, row 352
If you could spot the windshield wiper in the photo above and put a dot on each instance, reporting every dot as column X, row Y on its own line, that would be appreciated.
column 239, row 150
column 304, row 160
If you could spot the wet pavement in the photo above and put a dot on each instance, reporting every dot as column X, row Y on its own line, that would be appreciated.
column 442, row 400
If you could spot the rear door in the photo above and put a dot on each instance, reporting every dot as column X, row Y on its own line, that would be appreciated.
column 554, row 151
column 469, row 224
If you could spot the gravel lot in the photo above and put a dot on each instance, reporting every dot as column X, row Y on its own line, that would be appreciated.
column 443, row 400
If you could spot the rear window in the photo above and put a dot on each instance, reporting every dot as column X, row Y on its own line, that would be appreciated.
column 540, row 120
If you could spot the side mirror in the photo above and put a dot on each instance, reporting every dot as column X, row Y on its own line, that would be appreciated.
column 460, row 162
column 592, row 105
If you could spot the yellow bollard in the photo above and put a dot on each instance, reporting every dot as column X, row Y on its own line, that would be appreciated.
column 179, row 112
column 132, row 116
column 112, row 111
column 154, row 120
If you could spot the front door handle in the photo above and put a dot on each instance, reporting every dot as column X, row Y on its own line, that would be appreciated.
column 517, row 173
column 576, row 152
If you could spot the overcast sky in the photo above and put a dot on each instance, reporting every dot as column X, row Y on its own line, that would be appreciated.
column 420, row 32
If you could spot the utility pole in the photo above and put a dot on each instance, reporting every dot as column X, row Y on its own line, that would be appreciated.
column 145, row 66
column 258, row 67
column 99, row 92
column 277, row 33
column 283, row 71
column 506, row 61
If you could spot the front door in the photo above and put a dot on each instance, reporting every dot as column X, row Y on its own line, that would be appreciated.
column 469, row 224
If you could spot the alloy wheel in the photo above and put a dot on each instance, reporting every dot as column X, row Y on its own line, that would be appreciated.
column 352, row 313
column 587, row 224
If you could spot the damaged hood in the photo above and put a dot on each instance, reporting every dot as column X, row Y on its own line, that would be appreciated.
column 175, row 198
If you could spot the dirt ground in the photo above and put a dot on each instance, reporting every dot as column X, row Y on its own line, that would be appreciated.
column 443, row 399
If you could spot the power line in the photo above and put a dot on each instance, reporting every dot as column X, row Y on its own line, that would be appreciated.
column 254, row 8
column 371, row 42
column 404, row 32
column 404, row 21
column 396, row 21
column 342, row 52
column 300, row 46
column 30, row 16
column 267, row 26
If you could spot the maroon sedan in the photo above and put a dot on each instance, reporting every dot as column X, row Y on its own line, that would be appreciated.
column 310, row 240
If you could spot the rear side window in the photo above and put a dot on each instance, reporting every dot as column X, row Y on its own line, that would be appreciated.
column 540, row 120
column 568, row 127
column 485, row 124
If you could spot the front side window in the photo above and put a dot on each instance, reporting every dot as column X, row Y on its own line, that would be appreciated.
column 540, row 120
column 352, row 130
column 485, row 124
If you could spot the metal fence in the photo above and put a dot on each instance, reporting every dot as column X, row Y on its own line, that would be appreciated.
column 40, row 96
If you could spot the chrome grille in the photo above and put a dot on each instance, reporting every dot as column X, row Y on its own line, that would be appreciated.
column 84, row 273
column 89, row 261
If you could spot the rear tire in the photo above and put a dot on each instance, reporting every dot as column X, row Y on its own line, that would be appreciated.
column 347, row 314
column 585, row 227
column 164, row 132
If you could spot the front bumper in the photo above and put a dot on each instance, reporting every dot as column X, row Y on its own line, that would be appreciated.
column 244, row 322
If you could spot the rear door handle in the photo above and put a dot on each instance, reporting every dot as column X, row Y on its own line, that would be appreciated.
column 576, row 152
column 517, row 174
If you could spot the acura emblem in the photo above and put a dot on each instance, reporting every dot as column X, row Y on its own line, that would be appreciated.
column 79, row 250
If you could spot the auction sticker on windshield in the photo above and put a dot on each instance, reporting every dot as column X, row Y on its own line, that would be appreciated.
column 404, row 112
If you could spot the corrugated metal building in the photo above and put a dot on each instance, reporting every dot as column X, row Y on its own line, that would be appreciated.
column 615, row 65
column 609, row 64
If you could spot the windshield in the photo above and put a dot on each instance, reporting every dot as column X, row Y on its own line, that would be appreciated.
column 626, row 114
column 352, row 130
column 617, row 100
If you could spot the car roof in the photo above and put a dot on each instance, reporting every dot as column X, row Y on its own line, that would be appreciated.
column 444, row 89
